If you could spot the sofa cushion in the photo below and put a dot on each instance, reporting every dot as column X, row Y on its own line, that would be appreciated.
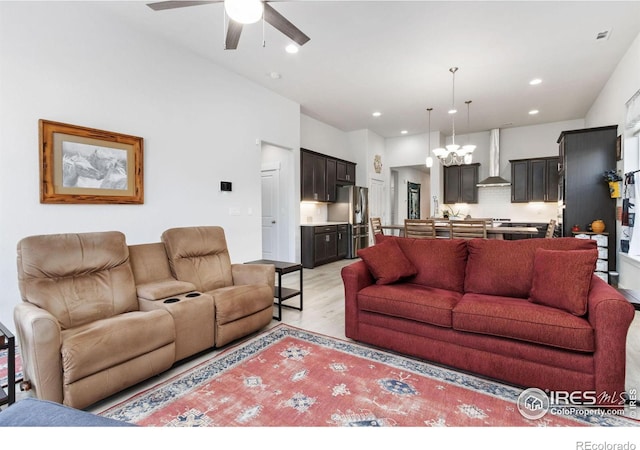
column 386, row 262
column 410, row 301
column 236, row 302
column 106, row 343
column 440, row 263
column 199, row 255
column 561, row 279
column 77, row 277
column 505, row 268
column 516, row 318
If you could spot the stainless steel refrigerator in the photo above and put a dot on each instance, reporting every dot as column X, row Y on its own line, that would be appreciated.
column 352, row 206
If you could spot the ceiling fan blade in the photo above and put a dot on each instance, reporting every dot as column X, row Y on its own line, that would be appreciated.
column 159, row 6
column 233, row 35
column 277, row 20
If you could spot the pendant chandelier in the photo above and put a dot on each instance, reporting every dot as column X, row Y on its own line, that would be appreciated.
column 429, row 161
column 453, row 154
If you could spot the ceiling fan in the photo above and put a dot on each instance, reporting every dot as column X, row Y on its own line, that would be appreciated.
column 234, row 9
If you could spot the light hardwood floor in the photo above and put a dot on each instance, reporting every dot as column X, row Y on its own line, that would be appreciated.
column 323, row 313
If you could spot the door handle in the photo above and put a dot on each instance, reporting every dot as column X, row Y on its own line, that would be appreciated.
column 273, row 221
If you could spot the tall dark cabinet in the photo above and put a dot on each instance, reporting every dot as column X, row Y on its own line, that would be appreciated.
column 460, row 184
column 583, row 193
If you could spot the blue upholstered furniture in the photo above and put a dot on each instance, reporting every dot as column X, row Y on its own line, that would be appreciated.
column 31, row 412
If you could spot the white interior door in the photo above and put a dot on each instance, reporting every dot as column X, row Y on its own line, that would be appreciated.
column 270, row 208
column 376, row 203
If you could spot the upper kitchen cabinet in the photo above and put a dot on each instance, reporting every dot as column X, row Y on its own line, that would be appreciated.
column 313, row 176
column 460, row 184
column 534, row 180
column 320, row 174
column 346, row 172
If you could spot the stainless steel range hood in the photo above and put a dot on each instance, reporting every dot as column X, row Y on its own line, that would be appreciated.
column 494, row 179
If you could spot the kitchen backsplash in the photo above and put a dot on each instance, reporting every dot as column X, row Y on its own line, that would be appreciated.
column 495, row 202
column 313, row 212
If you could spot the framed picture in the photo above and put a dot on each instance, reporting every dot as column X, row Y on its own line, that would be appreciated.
column 619, row 148
column 413, row 200
column 84, row 165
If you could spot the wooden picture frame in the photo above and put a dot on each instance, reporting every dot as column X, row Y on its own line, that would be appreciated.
column 85, row 165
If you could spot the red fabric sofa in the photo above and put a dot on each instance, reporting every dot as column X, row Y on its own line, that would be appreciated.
column 501, row 309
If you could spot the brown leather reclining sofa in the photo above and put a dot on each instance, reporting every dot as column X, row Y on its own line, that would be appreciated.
column 99, row 316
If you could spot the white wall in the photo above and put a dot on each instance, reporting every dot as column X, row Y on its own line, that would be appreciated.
column 322, row 138
column 515, row 143
column 64, row 61
column 609, row 109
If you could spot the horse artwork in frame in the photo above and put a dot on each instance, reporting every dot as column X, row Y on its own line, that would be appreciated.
column 85, row 165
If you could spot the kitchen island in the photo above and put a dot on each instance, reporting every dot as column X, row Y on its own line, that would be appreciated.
column 493, row 232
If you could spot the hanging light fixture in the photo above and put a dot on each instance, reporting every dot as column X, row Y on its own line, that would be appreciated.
column 453, row 153
column 429, row 161
column 244, row 11
column 468, row 148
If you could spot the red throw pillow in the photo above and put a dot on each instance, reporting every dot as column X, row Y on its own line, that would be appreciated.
column 386, row 262
column 561, row 279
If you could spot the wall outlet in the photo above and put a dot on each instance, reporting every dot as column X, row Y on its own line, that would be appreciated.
column 234, row 211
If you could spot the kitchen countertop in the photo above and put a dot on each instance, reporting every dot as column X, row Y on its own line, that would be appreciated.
column 322, row 224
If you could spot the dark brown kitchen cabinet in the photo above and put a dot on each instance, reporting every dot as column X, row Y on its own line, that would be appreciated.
column 313, row 177
column 321, row 174
column 534, row 180
column 343, row 241
column 346, row 172
column 460, row 184
column 321, row 244
column 584, row 195
column 331, row 180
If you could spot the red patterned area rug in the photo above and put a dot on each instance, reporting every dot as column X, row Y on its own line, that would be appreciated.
column 4, row 367
column 291, row 377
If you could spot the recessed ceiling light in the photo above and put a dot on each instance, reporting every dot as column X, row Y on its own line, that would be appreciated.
column 404, row 132
column 376, row 114
column 452, row 111
column 275, row 75
column 533, row 112
column 535, row 81
column 292, row 48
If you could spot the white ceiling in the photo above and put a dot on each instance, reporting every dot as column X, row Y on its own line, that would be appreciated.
column 394, row 56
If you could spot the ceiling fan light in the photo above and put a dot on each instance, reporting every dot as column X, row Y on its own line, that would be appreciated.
column 244, row 11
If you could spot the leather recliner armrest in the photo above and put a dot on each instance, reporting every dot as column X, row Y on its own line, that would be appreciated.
column 162, row 289
column 40, row 342
column 253, row 274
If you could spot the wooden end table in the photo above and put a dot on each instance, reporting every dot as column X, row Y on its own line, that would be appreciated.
column 8, row 341
column 283, row 293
